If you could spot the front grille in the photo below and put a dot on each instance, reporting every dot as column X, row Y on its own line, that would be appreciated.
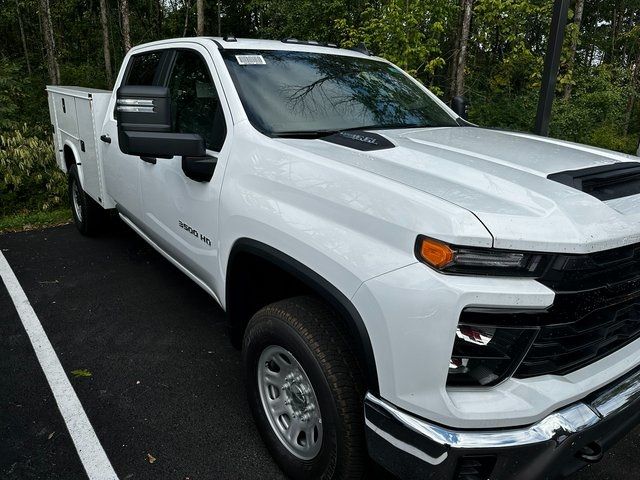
column 596, row 311
column 581, row 273
column 561, row 349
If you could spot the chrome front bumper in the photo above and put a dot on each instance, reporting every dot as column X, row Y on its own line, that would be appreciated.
column 554, row 447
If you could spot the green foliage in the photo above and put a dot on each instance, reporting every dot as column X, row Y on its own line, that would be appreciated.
column 595, row 114
column 497, row 110
column 609, row 137
column 85, row 75
column 300, row 19
column 9, row 90
column 408, row 33
column 503, row 69
column 22, row 98
column 508, row 41
column 29, row 177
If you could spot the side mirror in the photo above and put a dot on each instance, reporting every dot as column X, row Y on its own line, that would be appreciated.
column 199, row 168
column 460, row 105
column 144, row 124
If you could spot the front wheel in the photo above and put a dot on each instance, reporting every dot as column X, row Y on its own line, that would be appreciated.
column 305, row 390
column 87, row 214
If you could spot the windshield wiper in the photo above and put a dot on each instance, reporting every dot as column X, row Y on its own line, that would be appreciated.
column 395, row 126
column 304, row 134
column 325, row 133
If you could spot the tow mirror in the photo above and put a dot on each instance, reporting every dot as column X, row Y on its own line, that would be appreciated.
column 460, row 105
column 144, row 125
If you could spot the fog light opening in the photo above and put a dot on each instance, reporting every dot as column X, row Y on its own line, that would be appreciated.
column 485, row 355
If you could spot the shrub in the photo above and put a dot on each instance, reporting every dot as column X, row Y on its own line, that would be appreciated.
column 609, row 137
column 29, row 177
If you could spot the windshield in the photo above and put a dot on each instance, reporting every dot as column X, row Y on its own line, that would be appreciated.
column 297, row 92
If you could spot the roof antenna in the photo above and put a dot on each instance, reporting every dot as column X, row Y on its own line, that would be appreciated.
column 230, row 38
column 361, row 48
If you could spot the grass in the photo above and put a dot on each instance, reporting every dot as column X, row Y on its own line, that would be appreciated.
column 33, row 220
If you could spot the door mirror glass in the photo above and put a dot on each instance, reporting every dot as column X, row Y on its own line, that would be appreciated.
column 460, row 105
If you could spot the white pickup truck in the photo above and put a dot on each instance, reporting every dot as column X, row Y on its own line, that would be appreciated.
column 453, row 301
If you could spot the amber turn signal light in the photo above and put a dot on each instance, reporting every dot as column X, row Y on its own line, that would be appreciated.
column 436, row 254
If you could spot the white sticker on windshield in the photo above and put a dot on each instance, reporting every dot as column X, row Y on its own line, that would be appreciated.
column 250, row 60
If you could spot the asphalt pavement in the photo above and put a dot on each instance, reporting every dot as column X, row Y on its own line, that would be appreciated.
column 154, row 368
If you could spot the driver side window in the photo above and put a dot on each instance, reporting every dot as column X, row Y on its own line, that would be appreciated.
column 195, row 104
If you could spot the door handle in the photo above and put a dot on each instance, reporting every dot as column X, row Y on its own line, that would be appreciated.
column 105, row 138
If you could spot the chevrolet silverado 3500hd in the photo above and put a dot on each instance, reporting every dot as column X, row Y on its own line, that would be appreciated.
column 456, row 302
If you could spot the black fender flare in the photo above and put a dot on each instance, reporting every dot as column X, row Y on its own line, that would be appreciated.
column 321, row 287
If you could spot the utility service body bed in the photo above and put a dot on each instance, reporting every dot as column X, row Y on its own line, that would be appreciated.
column 77, row 114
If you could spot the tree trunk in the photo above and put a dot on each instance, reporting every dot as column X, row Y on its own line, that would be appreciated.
column 159, row 17
column 126, row 31
column 614, row 33
column 24, row 39
column 219, row 20
column 200, row 15
column 577, row 20
column 104, row 20
column 632, row 98
column 186, row 18
column 49, row 42
column 461, row 60
column 454, row 61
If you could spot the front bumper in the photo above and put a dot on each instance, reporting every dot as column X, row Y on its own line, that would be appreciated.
column 554, row 447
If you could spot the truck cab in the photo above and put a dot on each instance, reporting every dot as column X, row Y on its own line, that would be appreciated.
column 455, row 302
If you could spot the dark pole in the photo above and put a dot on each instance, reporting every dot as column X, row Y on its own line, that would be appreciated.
column 551, row 66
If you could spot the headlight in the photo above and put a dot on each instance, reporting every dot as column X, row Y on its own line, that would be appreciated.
column 479, row 261
column 485, row 355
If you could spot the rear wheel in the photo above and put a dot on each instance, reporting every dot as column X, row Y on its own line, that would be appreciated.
column 87, row 214
column 305, row 390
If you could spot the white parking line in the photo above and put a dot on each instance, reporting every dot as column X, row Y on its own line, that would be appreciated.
column 92, row 455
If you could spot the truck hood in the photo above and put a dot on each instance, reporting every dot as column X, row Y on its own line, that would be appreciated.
column 501, row 177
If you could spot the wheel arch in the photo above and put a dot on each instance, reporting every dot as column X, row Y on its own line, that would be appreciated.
column 71, row 157
column 308, row 279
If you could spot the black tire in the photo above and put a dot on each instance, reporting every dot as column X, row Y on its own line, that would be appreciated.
column 87, row 214
column 315, row 336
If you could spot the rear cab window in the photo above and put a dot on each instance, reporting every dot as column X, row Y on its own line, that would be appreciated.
column 143, row 69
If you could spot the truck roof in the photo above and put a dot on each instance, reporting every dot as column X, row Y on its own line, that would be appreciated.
column 228, row 43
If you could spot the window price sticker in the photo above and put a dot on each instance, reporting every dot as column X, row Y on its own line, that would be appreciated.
column 250, row 60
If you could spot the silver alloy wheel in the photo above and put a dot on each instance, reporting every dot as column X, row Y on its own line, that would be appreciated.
column 290, row 402
column 75, row 194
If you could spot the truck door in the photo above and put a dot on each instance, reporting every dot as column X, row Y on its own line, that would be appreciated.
column 122, row 171
column 181, row 214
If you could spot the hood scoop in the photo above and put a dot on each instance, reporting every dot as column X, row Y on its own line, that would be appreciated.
column 605, row 182
column 359, row 140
